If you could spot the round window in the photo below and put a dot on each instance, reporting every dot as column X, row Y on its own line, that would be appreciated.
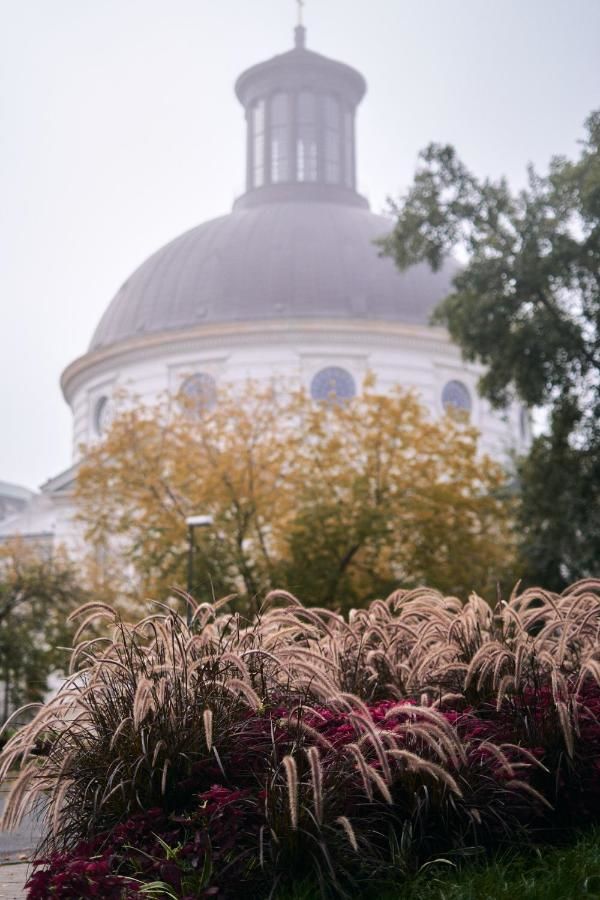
column 103, row 416
column 456, row 396
column 199, row 392
column 333, row 384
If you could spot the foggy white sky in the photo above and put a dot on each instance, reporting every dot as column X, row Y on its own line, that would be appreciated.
column 119, row 130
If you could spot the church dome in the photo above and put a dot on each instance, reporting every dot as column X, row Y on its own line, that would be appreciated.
column 300, row 241
column 272, row 261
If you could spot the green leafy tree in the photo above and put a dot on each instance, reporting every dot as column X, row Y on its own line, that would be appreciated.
column 527, row 305
column 37, row 592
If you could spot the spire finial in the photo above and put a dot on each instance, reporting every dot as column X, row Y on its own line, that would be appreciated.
column 300, row 30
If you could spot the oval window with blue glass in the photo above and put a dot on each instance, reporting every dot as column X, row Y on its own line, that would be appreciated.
column 333, row 384
column 456, row 397
column 199, row 393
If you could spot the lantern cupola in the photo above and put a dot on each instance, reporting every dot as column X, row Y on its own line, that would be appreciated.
column 300, row 112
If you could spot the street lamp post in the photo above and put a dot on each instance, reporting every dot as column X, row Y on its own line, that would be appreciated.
column 193, row 522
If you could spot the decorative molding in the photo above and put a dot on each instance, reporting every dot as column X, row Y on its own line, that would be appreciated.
column 226, row 336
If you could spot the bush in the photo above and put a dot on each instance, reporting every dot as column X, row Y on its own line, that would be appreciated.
column 237, row 755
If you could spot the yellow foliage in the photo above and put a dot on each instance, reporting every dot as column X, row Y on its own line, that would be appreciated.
column 336, row 502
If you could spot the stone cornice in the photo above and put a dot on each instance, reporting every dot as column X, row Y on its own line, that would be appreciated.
column 224, row 336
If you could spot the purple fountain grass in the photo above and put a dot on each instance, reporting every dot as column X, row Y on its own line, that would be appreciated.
column 305, row 741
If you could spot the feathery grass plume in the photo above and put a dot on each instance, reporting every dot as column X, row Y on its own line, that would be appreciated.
column 417, row 763
column 344, row 821
column 516, row 785
column 372, row 735
column 384, row 790
column 427, row 737
column 363, row 768
column 507, row 683
column 503, row 761
column 307, row 730
column 291, row 774
column 590, row 667
column 566, row 726
column 316, row 772
column 59, row 794
column 143, row 701
column 163, row 780
column 241, row 689
column 20, row 800
column 207, row 718
column 439, row 725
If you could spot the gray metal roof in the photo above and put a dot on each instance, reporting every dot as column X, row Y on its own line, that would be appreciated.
column 300, row 67
column 274, row 261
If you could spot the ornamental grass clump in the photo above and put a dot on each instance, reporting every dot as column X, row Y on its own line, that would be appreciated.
column 230, row 754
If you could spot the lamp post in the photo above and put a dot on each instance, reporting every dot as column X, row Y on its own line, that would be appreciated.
column 193, row 522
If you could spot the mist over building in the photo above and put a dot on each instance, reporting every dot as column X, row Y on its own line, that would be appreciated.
column 289, row 285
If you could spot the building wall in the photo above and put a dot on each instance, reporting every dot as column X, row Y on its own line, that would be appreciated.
column 416, row 357
column 151, row 368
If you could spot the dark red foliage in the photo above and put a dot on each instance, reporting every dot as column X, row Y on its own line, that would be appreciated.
column 222, row 823
column 73, row 876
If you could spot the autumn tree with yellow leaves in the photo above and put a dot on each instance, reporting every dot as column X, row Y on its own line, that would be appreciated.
column 336, row 502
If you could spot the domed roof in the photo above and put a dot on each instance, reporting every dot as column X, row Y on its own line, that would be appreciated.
column 272, row 261
column 300, row 241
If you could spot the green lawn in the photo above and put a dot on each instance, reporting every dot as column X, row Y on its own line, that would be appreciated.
column 565, row 873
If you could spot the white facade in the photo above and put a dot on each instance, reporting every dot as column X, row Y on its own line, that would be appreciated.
column 419, row 357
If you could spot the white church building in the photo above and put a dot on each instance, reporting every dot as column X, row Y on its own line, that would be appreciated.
column 290, row 283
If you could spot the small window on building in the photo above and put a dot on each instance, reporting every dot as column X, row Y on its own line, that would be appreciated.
column 306, row 146
column 103, row 416
column 333, row 384
column 456, row 397
column 199, row 393
column 280, row 138
column 332, row 116
column 258, row 143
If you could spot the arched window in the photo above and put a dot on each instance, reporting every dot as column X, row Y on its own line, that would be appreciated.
column 258, row 143
column 331, row 117
column 199, row 393
column 306, row 146
column 103, row 416
column 280, row 138
column 456, row 396
column 333, row 384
